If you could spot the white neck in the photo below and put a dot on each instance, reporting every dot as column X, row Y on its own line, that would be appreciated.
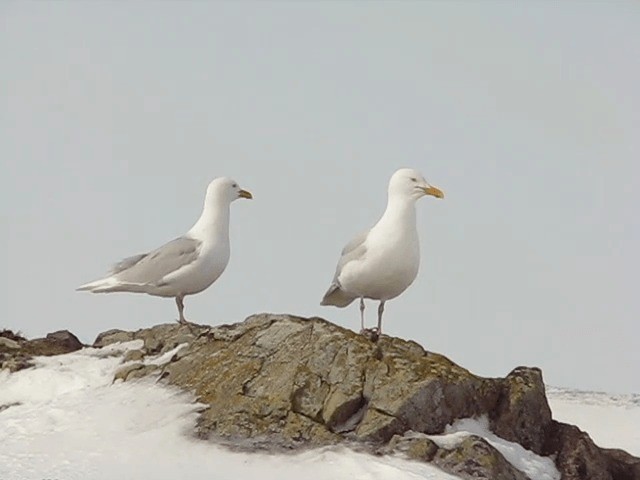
column 214, row 220
column 400, row 211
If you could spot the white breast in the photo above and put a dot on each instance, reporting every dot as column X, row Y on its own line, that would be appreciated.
column 389, row 266
column 205, row 270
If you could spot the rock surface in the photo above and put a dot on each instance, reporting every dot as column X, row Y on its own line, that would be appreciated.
column 472, row 458
column 279, row 381
column 283, row 382
column 579, row 458
column 522, row 413
column 16, row 352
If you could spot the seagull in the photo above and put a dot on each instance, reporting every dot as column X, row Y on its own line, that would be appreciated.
column 184, row 266
column 382, row 262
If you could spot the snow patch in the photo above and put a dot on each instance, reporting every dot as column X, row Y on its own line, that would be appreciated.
column 531, row 464
column 165, row 357
column 68, row 420
column 611, row 421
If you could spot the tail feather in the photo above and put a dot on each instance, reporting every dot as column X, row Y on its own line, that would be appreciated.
column 98, row 286
column 110, row 284
column 337, row 297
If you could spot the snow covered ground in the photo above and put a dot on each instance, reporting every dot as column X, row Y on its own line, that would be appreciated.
column 69, row 421
column 612, row 421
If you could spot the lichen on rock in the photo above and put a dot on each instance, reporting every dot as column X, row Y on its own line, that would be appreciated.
column 279, row 382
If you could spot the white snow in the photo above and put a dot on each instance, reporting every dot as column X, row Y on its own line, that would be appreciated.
column 612, row 421
column 165, row 357
column 534, row 466
column 67, row 420
column 73, row 423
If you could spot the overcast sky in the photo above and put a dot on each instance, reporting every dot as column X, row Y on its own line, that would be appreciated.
column 115, row 116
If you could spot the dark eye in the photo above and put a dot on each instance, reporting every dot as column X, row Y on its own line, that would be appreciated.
column 414, row 179
column 235, row 185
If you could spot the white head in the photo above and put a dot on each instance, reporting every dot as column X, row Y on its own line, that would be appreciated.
column 409, row 183
column 225, row 190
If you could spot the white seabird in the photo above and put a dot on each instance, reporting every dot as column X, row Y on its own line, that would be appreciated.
column 184, row 266
column 382, row 262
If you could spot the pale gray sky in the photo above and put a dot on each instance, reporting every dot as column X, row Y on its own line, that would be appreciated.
column 116, row 115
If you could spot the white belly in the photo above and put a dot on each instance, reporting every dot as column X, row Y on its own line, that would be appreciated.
column 383, row 273
column 200, row 274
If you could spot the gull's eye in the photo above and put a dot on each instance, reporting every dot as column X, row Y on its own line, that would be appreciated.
column 235, row 185
column 414, row 179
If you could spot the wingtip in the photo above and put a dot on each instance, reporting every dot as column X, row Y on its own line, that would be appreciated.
column 336, row 297
column 94, row 287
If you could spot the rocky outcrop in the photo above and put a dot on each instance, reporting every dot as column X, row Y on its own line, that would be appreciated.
column 278, row 381
column 284, row 382
column 16, row 352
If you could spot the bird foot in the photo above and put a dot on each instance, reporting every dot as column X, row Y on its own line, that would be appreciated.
column 184, row 321
column 371, row 333
column 193, row 327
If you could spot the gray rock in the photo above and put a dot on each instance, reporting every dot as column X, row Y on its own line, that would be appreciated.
column 112, row 336
column 579, row 458
column 472, row 458
column 124, row 372
column 62, row 340
column 135, row 370
column 133, row 356
column 415, row 446
column 7, row 343
column 309, row 381
column 621, row 465
column 522, row 414
column 475, row 459
column 279, row 381
column 55, row 343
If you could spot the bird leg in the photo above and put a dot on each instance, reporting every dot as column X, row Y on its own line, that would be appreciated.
column 362, row 329
column 380, row 310
column 374, row 333
column 180, row 304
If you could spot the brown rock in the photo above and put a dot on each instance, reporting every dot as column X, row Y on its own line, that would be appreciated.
column 8, row 344
column 16, row 352
column 112, row 336
column 415, row 446
column 124, row 372
column 11, row 335
column 522, row 414
column 133, row 356
column 279, row 381
column 579, row 458
column 55, row 343
column 622, row 466
column 475, row 459
column 297, row 380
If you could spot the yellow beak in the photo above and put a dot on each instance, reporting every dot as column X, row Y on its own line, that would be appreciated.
column 245, row 194
column 436, row 192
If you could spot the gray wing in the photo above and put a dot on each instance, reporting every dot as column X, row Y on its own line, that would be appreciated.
column 126, row 263
column 152, row 267
column 353, row 250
